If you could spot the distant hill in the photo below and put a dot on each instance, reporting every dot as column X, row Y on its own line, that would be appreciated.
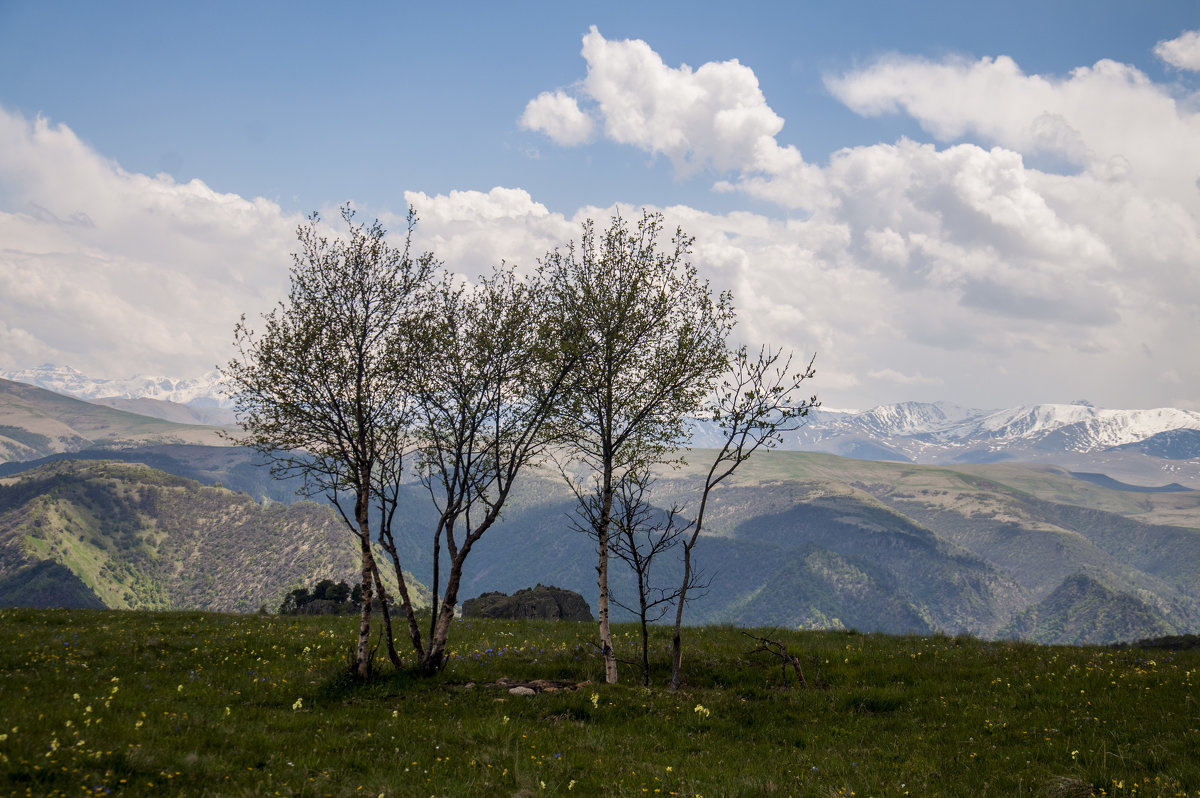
column 1144, row 447
column 235, row 467
column 203, row 391
column 794, row 540
column 35, row 423
column 797, row 539
column 172, row 411
column 123, row 535
column 1081, row 611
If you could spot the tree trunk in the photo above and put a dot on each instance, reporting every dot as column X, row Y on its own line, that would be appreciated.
column 676, row 638
column 362, row 658
column 606, row 647
column 433, row 588
column 645, row 649
column 414, row 629
column 435, row 657
column 387, row 615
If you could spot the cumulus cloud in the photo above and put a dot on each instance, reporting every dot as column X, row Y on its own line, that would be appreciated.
column 116, row 273
column 558, row 116
column 952, row 258
column 1109, row 118
column 942, row 269
column 1182, row 52
column 472, row 231
column 714, row 117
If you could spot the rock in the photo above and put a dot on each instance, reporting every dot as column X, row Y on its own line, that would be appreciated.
column 522, row 691
column 541, row 602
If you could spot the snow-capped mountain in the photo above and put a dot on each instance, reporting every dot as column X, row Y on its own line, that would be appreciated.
column 203, row 391
column 1143, row 445
column 1147, row 447
column 1080, row 428
column 942, row 432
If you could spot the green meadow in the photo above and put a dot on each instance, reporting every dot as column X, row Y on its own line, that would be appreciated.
column 141, row 703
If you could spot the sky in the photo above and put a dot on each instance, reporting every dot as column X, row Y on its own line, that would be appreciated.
column 990, row 205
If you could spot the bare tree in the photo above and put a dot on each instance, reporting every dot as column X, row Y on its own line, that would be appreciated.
column 641, row 533
column 321, row 390
column 653, row 338
column 754, row 405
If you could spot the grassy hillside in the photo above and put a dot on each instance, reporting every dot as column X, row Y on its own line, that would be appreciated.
column 806, row 540
column 36, row 423
column 124, row 535
column 189, row 704
column 234, row 467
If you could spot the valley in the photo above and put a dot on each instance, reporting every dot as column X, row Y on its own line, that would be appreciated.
column 128, row 511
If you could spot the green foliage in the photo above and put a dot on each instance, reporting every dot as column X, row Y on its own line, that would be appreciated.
column 651, row 339
column 140, row 538
column 320, row 389
column 326, row 598
column 198, row 704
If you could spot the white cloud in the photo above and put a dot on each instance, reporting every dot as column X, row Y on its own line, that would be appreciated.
column 964, row 262
column 1182, row 52
column 558, row 116
column 712, row 117
column 891, row 375
column 950, row 270
column 472, row 231
column 1108, row 118
column 117, row 273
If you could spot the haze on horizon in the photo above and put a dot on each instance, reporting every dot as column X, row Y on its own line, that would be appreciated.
column 991, row 211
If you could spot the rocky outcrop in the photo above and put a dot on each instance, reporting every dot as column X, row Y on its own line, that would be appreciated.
column 549, row 603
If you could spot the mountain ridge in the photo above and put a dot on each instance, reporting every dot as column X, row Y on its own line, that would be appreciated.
column 1146, row 447
column 794, row 539
column 202, row 391
column 123, row 535
column 35, row 423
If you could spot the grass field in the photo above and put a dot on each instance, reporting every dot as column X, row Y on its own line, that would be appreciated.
column 104, row 702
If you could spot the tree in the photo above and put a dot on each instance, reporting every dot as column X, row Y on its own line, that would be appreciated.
column 321, row 590
column 653, row 340
column 496, row 362
column 321, row 390
column 754, row 405
column 640, row 534
column 339, row 593
column 294, row 601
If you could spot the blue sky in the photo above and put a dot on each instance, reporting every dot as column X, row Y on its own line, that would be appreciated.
column 933, row 197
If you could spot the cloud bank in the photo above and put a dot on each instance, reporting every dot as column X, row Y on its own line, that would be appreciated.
column 956, row 256
column 1041, row 245
column 121, row 273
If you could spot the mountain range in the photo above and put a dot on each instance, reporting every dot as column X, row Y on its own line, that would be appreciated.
column 203, row 391
column 996, row 549
column 1142, row 447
